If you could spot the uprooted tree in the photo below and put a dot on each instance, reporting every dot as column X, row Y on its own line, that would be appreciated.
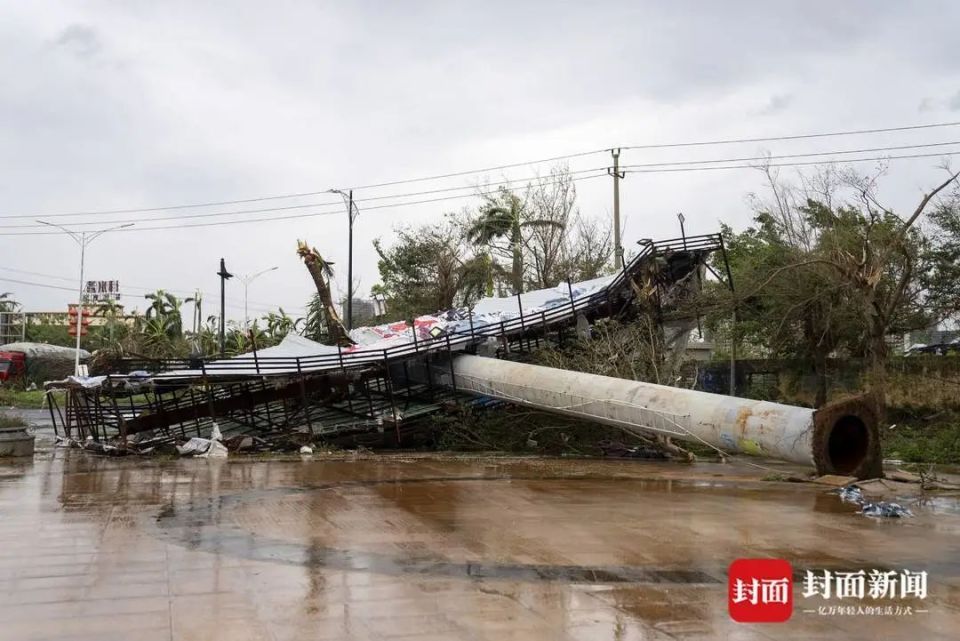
column 322, row 271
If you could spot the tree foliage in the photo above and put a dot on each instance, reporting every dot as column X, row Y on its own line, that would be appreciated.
column 431, row 268
column 504, row 223
column 826, row 269
column 8, row 303
column 513, row 241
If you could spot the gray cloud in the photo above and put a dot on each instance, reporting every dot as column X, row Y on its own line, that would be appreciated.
column 777, row 103
column 118, row 105
column 954, row 102
column 81, row 40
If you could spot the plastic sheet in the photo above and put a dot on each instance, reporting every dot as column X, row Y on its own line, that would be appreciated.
column 205, row 447
column 880, row 509
column 373, row 340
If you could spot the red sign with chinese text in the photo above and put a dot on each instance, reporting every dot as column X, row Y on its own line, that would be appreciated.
column 760, row 590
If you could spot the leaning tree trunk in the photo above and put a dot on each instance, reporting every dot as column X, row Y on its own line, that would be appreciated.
column 315, row 265
column 516, row 242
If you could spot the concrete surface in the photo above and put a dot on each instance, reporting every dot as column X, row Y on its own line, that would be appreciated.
column 426, row 547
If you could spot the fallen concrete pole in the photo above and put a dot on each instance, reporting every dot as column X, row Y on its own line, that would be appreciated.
column 840, row 438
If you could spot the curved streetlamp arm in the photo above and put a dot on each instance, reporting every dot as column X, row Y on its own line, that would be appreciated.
column 249, row 278
column 76, row 237
column 97, row 234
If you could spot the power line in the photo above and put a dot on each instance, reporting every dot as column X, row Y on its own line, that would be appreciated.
column 468, row 172
column 504, row 182
column 733, row 141
column 26, row 282
column 236, row 212
column 73, row 290
column 297, row 216
column 235, row 302
column 790, row 164
column 337, row 205
column 481, row 193
column 659, row 168
column 105, row 212
column 477, row 171
column 23, row 271
column 803, row 155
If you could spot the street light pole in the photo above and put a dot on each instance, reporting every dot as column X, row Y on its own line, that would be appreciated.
column 82, row 238
column 352, row 213
column 246, row 283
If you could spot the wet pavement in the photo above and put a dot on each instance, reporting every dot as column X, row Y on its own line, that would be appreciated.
column 429, row 547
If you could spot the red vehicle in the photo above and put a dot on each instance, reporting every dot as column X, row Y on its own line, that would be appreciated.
column 12, row 366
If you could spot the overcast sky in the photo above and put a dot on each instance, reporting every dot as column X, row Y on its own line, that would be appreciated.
column 126, row 105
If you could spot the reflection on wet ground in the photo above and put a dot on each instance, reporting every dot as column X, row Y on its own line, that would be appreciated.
column 433, row 548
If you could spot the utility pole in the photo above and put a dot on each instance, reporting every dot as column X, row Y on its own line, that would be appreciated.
column 197, row 311
column 82, row 238
column 617, row 175
column 350, row 263
column 733, row 328
column 224, row 275
column 352, row 213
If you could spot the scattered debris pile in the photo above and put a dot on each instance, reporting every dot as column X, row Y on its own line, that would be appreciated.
column 373, row 384
column 883, row 509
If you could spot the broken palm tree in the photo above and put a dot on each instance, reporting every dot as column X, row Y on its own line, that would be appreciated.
column 322, row 271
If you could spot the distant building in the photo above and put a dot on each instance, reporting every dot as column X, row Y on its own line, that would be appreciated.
column 96, row 313
column 366, row 310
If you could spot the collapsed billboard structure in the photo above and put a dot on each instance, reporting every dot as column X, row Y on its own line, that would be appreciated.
column 376, row 390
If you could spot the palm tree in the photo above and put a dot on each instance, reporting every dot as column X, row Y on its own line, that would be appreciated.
column 322, row 271
column 8, row 303
column 112, row 312
column 279, row 325
column 165, row 307
column 476, row 277
column 208, row 336
column 502, row 216
column 155, row 336
column 197, row 300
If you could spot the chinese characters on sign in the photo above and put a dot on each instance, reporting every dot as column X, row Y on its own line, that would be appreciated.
column 875, row 584
column 101, row 291
column 761, row 591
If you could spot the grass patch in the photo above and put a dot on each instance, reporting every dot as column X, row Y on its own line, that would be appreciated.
column 21, row 399
column 11, row 421
column 525, row 431
column 923, row 436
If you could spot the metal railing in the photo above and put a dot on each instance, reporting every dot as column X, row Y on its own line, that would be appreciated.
column 344, row 358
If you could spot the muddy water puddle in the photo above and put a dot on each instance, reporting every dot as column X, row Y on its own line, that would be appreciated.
column 455, row 548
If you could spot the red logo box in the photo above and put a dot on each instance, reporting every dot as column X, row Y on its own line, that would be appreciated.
column 760, row 590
